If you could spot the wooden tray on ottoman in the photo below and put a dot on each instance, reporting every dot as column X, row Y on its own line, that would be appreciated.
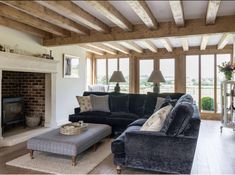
column 73, row 128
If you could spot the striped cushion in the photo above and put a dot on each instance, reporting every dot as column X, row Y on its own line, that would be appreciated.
column 100, row 103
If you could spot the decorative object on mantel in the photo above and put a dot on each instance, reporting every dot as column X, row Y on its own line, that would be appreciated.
column 227, row 68
column 16, row 50
column 71, row 66
column 33, row 121
column 156, row 77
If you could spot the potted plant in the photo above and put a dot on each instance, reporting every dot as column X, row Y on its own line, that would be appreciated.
column 227, row 68
column 207, row 104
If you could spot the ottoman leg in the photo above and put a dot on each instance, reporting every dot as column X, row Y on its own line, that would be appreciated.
column 74, row 160
column 31, row 153
column 94, row 147
column 119, row 169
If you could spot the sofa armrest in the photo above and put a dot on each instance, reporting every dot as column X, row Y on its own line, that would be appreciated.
column 155, row 150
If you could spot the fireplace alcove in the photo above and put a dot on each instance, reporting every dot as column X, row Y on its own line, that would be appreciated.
column 22, row 63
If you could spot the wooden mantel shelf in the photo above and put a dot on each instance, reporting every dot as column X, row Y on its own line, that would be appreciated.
column 26, row 57
column 17, row 62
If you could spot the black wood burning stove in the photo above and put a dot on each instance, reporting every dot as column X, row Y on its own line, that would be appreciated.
column 13, row 111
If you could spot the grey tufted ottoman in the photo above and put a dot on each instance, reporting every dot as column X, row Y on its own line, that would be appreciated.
column 54, row 142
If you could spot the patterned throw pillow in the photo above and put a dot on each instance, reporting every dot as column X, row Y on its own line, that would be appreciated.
column 156, row 121
column 84, row 103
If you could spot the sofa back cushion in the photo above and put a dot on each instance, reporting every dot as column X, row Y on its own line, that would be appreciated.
column 151, row 100
column 186, row 98
column 119, row 103
column 136, row 104
column 100, row 103
column 178, row 119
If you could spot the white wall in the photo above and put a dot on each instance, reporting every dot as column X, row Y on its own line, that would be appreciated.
column 66, row 89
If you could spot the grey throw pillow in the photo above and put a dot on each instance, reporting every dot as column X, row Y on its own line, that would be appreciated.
column 100, row 103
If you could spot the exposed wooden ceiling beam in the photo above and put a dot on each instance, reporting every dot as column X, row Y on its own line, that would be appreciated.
column 224, row 40
column 163, row 53
column 25, row 18
column 117, row 46
column 23, row 27
column 92, row 50
column 105, row 8
column 103, row 48
column 184, row 42
column 167, row 44
column 151, row 46
column 75, row 13
column 142, row 10
column 212, row 9
column 166, row 29
column 177, row 11
column 204, row 42
column 48, row 15
column 131, row 45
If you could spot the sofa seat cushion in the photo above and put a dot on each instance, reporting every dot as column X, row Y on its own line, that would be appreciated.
column 138, row 122
column 94, row 117
column 118, row 145
column 121, row 118
column 123, row 115
column 95, row 113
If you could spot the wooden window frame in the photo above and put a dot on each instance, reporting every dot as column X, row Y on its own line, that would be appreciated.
column 209, row 115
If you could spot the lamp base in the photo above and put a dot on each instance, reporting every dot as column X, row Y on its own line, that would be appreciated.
column 117, row 88
column 156, row 88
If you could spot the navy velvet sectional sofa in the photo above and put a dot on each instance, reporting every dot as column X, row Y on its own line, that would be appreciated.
column 137, row 106
column 169, row 151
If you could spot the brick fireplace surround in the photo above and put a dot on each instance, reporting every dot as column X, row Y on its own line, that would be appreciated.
column 35, row 77
column 30, row 86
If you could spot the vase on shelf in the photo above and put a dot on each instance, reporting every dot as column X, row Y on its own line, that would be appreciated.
column 228, row 75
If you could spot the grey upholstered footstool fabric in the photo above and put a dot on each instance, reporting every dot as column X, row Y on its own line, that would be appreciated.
column 54, row 142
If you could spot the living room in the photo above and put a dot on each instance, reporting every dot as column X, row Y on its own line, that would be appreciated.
column 106, row 87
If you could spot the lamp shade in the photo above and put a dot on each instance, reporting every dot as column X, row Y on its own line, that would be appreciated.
column 117, row 76
column 156, row 77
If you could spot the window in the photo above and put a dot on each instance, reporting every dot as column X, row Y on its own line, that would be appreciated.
column 201, row 81
column 192, row 77
column 145, row 70
column 112, row 66
column 124, row 67
column 101, row 71
column 167, row 67
column 105, row 69
column 89, row 71
column 207, row 83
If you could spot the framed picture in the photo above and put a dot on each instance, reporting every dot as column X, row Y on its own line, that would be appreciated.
column 71, row 66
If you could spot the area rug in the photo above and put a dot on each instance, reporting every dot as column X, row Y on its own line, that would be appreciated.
column 57, row 164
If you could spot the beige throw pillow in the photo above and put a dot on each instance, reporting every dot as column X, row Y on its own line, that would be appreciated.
column 84, row 103
column 156, row 121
